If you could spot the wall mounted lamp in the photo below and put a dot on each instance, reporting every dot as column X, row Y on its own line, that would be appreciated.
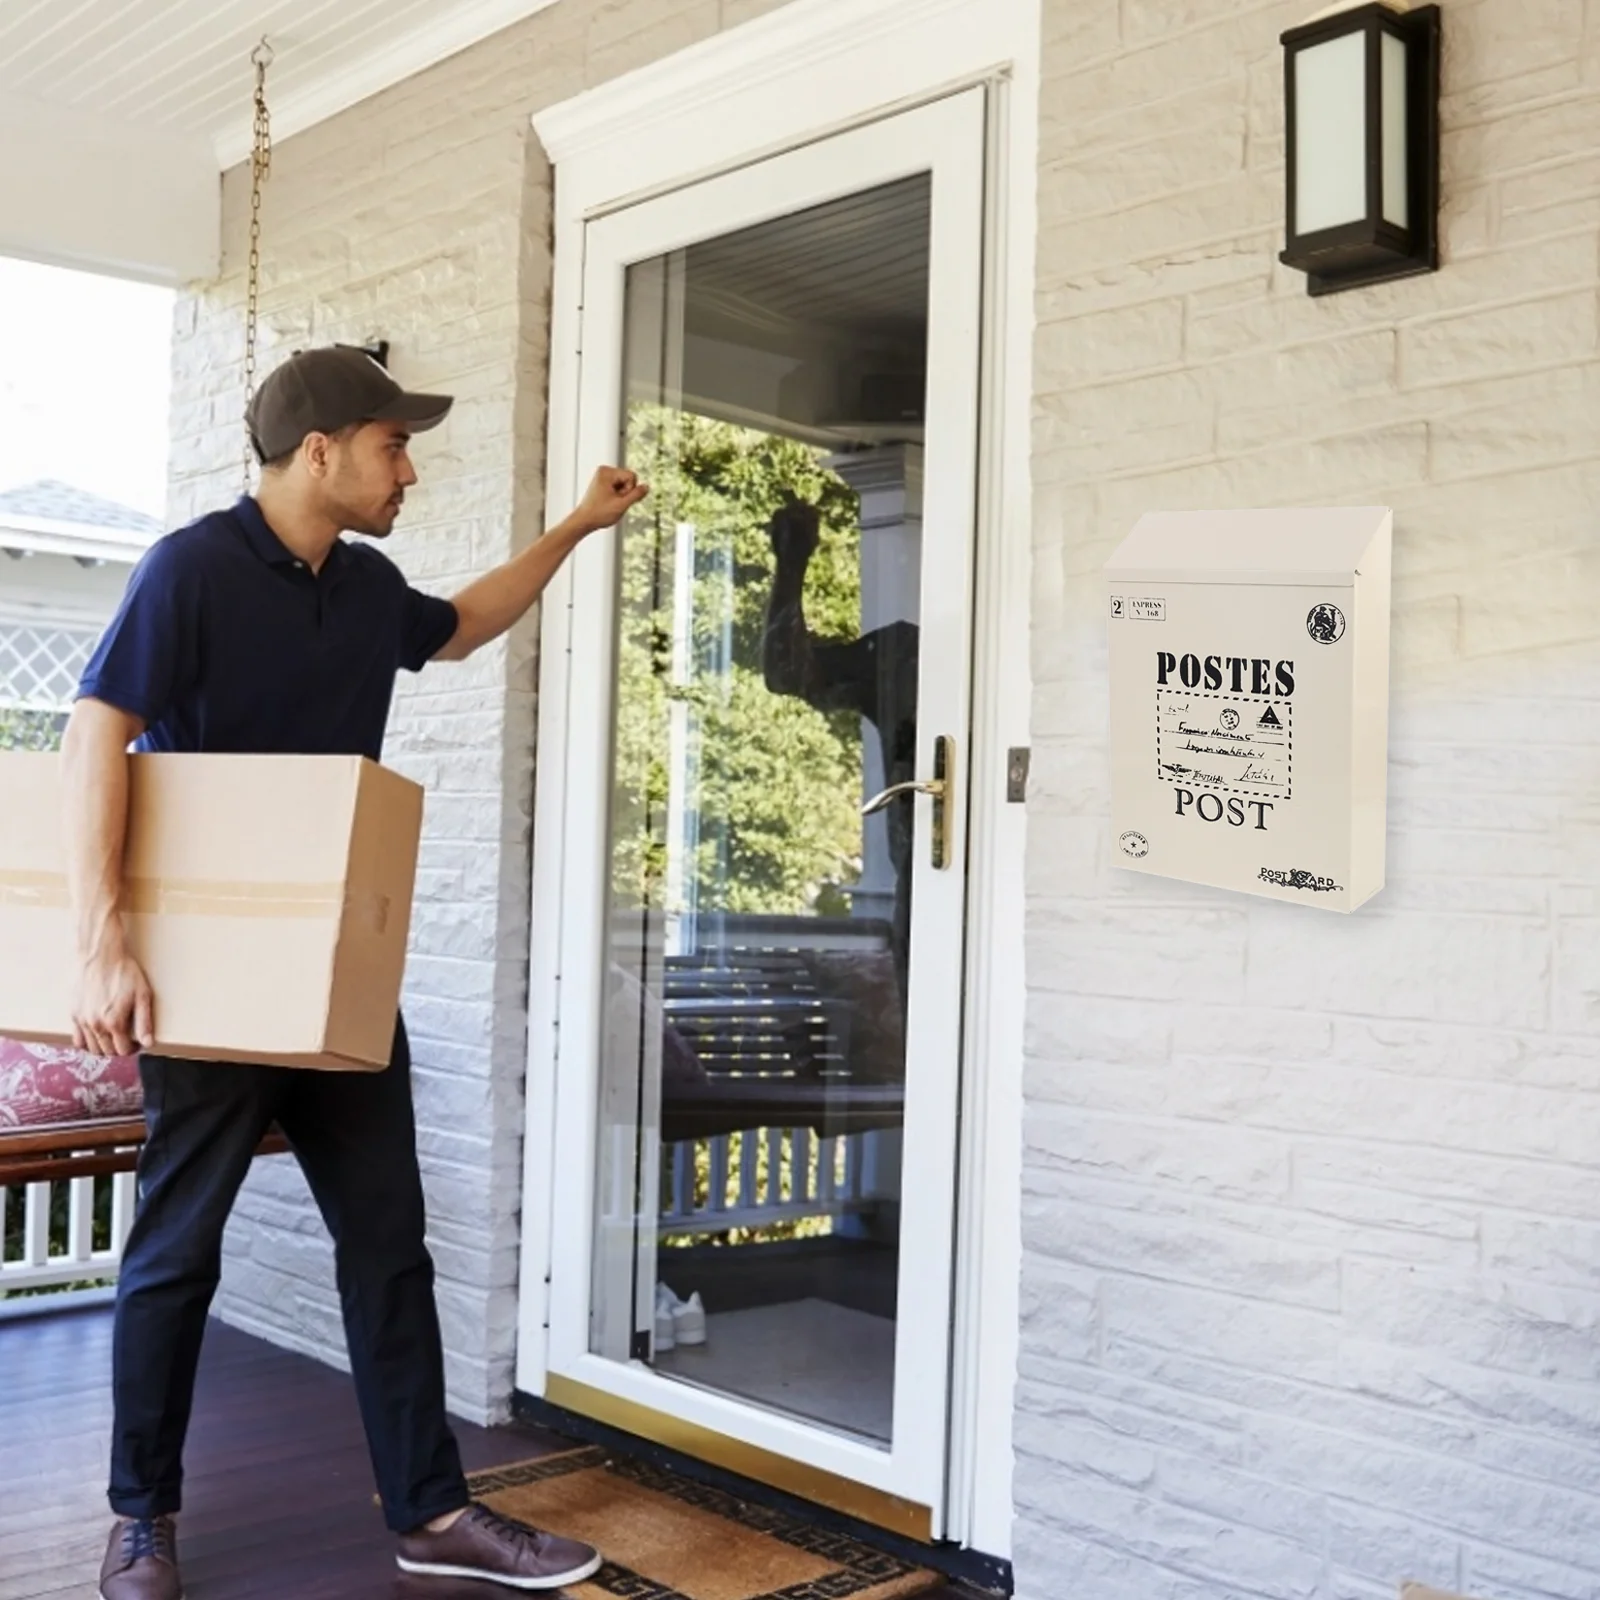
column 1361, row 101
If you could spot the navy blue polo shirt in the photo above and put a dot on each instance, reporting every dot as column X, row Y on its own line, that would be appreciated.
column 226, row 641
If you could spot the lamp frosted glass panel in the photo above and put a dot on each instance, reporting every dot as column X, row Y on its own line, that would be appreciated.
column 1330, row 134
column 1396, row 199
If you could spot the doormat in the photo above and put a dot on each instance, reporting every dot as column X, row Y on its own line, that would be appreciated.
column 668, row 1538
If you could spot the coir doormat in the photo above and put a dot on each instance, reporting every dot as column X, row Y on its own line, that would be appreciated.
column 668, row 1538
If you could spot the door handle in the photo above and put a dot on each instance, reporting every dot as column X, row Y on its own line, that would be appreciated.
column 895, row 790
column 939, row 786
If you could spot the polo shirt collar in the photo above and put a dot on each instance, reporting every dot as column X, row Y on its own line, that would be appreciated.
column 266, row 544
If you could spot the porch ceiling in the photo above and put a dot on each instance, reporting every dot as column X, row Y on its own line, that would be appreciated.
column 132, row 108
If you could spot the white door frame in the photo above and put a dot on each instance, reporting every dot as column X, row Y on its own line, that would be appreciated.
column 807, row 70
column 947, row 135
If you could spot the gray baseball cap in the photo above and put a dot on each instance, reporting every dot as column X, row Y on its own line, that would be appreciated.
column 323, row 390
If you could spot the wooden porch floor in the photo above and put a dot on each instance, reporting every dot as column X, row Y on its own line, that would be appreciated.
column 278, row 1492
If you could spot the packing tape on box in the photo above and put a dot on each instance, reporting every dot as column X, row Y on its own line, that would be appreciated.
column 206, row 897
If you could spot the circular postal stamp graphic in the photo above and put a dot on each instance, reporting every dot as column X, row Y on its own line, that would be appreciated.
column 1229, row 719
column 1134, row 844
column 1325, row 624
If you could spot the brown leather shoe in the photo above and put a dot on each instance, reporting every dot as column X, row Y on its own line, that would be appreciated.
column 480, row 1544
column 142, row 1562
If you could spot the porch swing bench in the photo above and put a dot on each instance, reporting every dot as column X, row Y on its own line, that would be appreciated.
column 67, row 1114
column 772, row 1037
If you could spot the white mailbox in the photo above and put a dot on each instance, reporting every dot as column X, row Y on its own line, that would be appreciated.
column 1250, row 700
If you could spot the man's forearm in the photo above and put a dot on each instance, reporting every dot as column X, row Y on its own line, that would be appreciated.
column 489, row 606
column 95, row 792
column 112, row 1010
column 485, row 609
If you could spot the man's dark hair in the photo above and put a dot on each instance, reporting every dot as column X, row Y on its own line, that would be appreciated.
column 283, row 458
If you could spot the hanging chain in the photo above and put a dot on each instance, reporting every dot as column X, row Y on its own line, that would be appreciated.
column 260, row 167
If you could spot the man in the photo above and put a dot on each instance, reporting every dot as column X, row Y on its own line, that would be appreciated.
column 874, row 676
column 259, row 629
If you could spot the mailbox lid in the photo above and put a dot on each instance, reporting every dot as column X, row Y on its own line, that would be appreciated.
column 1321, row 546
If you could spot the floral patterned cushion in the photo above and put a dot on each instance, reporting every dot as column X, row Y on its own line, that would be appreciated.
column 42, row 1084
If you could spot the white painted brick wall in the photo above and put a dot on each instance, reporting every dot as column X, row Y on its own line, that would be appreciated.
column 1311, row 1295
column 422, row 216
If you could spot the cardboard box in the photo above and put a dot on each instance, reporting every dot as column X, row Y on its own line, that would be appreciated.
column 1419, row 1591
column 1249, row 655
column 268, row 899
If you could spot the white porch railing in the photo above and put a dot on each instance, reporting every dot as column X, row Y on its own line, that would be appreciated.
column 758, row 1177
column 57, row 1250
column 754, row 1179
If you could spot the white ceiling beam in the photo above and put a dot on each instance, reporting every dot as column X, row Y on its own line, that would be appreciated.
column 297, row 106
column 78, row 191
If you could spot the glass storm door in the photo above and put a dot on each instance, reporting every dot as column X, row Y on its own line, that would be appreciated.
column 763, row 890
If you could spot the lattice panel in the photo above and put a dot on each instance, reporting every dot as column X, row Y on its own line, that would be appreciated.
column 40, row 666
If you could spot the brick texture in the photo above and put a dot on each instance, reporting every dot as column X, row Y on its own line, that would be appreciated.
column 1311, row 1208
column 422, row 216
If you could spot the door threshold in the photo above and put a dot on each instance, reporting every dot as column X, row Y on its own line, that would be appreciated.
column 991, row 1575
column 809, row 1484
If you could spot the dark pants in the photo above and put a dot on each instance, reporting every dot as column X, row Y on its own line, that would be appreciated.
column 355, row 1138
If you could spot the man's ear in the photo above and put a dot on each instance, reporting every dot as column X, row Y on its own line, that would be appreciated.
column 314, row 453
